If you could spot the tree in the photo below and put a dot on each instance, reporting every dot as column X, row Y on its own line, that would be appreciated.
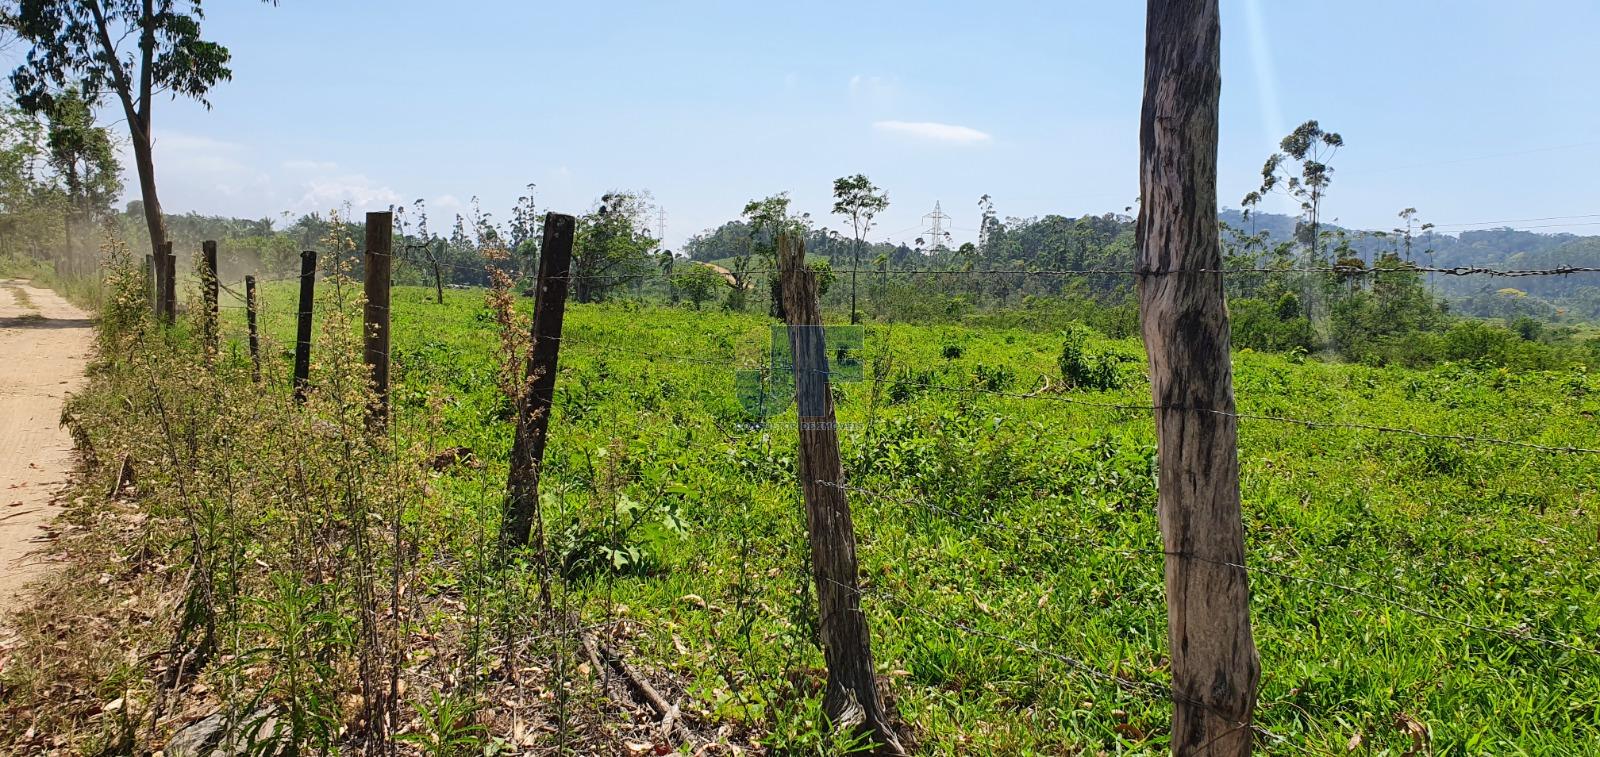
column 83, row 158
column 612, row 245
column 522, row 236
column 29, row 205
column 77, row 42
column 1313, row 149
column 857, row 199
column 697, row 283
column 767, row 219
column 1185, row 323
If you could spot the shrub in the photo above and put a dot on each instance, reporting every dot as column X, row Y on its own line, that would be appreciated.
column 1084, row 368
column 1279, row 327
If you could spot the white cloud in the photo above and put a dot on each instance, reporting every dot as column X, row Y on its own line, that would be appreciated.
column 331, row 192
column 934, row 132
column 206, row 175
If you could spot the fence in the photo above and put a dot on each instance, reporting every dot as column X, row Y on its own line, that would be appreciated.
column 821, row 474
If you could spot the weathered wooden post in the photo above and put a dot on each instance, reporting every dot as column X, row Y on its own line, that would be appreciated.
column 1185, row 324
column 152, row 267
column 852, row 699
column 523, row 523
column 376, row 263
column 169, row 283
column 302, row 339
column 208, row 285
column 250, row 325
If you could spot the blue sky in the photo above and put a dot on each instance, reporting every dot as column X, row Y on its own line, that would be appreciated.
column 1472, row 111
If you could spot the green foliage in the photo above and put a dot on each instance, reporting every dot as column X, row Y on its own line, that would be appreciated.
column 612, row 247
column 1312, row 148
column 697, row 283
column 1083, row 367
column 1260, row 325
column 82, row 154
column 448, row 728
column 986, row 523
column 69, row 48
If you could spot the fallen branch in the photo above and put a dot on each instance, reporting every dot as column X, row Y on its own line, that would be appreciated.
column 671, row 719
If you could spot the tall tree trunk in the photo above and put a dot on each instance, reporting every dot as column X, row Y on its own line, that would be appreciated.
column 137, row 112
column 144, row 161
column 1214, row 666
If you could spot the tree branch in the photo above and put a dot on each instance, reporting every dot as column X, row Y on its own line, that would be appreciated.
column 119, row 75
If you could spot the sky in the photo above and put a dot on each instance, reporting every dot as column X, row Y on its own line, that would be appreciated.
column 1474, row 112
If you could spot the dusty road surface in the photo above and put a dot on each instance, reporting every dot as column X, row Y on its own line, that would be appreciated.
column 44, row 343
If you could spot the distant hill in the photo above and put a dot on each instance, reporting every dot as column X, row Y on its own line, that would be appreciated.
column 1490, row 248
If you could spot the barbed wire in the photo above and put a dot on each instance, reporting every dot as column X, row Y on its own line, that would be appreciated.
column 1056, row 396
column 1339, row 270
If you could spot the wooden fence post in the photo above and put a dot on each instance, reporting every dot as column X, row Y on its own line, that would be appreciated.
column 169, row 283
column 153, row 267
column 1185, row 324
column 846, row 642
column 375, row 328
column 250, row 324
column 208, row 284
column 438, row 275
column 523, row 521
column 302, row 339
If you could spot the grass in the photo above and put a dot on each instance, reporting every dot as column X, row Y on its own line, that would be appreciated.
column 1005, row 542
column 995, row 544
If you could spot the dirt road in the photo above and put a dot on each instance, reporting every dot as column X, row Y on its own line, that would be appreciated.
column 44, row 343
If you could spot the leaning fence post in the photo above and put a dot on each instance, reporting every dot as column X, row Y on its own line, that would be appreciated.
column 375, row 328
column 208, row 284
column 1185, row 323
column 523, row 521
column 250, row 325
column 846, row 640
column 169, row 283
column 302, row 339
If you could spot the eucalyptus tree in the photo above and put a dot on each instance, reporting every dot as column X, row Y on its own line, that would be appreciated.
column 82, row 43
column 856, row 198
column 1311, row 149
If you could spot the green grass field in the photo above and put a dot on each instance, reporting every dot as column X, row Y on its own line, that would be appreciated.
column 1005, row 542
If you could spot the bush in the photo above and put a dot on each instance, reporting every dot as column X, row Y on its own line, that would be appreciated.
column 1279, row 327
column 1084, row 368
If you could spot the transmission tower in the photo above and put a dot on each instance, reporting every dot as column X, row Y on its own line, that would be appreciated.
column 661, row 227
column 934, row 236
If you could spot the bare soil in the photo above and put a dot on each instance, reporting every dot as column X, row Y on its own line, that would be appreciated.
column 44, row 345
